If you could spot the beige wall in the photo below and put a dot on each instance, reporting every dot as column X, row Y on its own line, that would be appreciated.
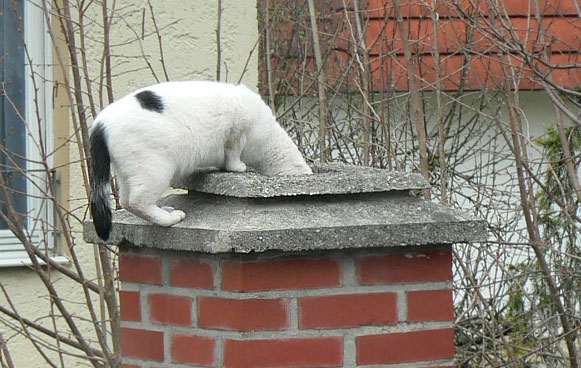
column 189, row 46
column 189, row 43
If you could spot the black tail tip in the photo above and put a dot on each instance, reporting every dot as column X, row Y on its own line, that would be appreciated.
column 102, row 231
column 102, row 221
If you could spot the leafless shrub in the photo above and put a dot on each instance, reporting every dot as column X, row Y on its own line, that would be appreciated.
column 93, row 335
column 437, row 87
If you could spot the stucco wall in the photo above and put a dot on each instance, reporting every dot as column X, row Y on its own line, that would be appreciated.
column 189, row 42
column 189, row 46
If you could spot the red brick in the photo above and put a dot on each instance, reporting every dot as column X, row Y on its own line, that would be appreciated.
column 409, row 8
column 405, row 347
column 387, row 36
column 199, row 350
column 409, row 267
column 130, row 305
column 243, row 315
column 415, row 8
column 191, row 273
column 480, row 72
column 547, row 7
column 142, row 344
column 562, row 33
column 561, row 25
column 337, row 311
column 281, row 274
column 430, row 305
column 483, row 72
column 299, row 352
column 565, row 76
column 140, row 268
column 170, row 309
column 130, row 366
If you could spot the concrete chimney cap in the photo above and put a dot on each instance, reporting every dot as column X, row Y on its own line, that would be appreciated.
column 332, row 178
column 338, row 207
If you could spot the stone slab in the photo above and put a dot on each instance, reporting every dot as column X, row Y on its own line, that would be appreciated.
column 222, row 224
column 335, row 178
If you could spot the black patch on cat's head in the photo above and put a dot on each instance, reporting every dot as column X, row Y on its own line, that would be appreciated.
column 150, row 101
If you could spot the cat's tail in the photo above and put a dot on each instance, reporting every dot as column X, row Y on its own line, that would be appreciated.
column 101, row 170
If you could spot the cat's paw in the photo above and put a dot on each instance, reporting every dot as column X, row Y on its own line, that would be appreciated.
column 236, row 167
column 177, row 214
column 171, row 218
column 167, row 208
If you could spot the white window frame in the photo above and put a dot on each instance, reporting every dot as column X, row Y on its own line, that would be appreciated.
column 38, row 43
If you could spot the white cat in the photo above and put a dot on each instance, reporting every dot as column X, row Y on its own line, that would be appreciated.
column 162, row 133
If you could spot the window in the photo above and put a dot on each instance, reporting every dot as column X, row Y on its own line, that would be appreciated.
column 22, row 23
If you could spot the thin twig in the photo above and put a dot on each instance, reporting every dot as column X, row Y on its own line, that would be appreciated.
column 218, row 41
column 321, row 85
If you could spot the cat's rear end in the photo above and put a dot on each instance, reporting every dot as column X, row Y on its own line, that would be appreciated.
column 138, row 140
column 163, row 132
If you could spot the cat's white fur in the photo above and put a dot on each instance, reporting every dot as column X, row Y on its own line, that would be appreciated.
column 203, row 124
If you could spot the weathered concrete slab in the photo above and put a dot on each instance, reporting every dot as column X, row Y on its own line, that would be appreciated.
column 218, row 224
column 333, row 178
column 338, row 207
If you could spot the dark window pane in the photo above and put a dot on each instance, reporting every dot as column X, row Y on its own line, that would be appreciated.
column 12, row 105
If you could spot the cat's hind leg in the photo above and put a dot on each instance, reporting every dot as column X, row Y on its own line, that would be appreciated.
column 123, row 191
column 143, row 195
column 232, row 151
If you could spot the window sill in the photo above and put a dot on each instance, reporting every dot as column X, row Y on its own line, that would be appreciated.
column 25, row 262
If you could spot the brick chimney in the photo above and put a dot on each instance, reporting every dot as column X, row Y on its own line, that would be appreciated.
column 343, row 268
